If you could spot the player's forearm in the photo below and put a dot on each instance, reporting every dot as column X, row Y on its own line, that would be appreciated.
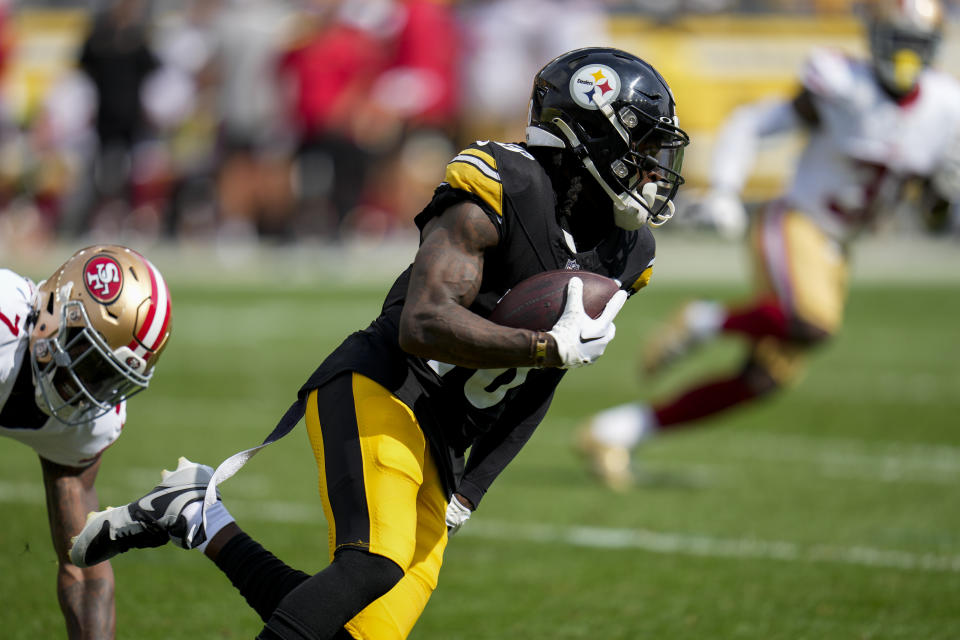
column 489, row 457
column 737, row 141
column 455, row 335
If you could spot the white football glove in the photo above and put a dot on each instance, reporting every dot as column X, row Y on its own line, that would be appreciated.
column 946, row 178
column 457, row 514
column 724, row 212
column 581, row 339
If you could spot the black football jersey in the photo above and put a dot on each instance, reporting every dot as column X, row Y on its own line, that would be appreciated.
column 454, row 405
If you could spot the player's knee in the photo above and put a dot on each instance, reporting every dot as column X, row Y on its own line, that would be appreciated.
column 761, row 379
column 807, row 335
column 395, row 614
column 774, row 364
column 373, row 574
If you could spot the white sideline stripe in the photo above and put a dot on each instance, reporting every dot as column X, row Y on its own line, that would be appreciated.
column 706, row 546
column 601, row 538
column 846, row 458
column 890, row 462
column 264, row 511
column 21, row 492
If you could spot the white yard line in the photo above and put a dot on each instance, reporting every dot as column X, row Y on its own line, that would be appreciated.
column 21, row 492
column 660, row 542
column 893, row 462
column 706, row 546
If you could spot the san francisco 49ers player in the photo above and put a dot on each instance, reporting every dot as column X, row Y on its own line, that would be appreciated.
column 875, row 126
column 72, row 350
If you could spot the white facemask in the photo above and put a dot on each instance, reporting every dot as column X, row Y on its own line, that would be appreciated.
column 631, row 210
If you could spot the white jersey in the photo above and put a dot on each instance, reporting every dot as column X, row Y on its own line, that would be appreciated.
column 73, row 446
column 867, row 144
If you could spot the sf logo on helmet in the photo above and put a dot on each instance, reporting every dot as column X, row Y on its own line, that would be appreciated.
column 594, row 86
column 103, row 277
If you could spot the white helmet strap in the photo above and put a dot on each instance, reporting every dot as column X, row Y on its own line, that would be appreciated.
column 607, row 110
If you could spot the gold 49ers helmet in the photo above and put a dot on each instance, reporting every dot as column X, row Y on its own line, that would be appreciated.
column 102, row 321
column 904, row 35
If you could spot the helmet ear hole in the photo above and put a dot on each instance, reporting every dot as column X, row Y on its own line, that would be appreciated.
column 50, row 303
column 628, row 118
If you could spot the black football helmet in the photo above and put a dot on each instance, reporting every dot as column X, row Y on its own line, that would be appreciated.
column 616, row 113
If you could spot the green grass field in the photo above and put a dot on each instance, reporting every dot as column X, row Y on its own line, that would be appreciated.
column 828, row 512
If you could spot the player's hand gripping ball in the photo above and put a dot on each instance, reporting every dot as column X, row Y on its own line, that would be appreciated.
column 538, row 302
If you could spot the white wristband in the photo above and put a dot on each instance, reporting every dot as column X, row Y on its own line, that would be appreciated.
column 217, row 518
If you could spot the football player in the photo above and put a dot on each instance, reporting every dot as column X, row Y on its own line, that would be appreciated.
column 874, row 127
column 72, row 350
column 393, row 410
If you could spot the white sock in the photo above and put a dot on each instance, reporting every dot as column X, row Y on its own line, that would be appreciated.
column 705, row 318
column 624, row 425
column 217, row 518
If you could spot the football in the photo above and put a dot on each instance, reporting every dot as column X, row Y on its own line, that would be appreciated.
column 537, row 302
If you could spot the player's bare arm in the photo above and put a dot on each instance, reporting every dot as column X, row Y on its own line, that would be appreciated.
column 85, row 595
column 436, row 322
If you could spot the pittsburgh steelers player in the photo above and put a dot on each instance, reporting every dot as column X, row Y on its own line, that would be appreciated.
column 874, row 127
column 392, row 411
column 72, row 350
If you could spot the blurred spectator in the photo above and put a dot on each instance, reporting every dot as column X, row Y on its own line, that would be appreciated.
column 373, row 87
column 253, row 177
column 6, row 35
column 118, row 59
column 328, row 71
column 507, row 42
column 416, row 101
column 21, row 222
column 180, row 99
column 58, row 147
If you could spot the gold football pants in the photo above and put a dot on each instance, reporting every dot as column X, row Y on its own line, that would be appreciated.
column 381, row 492
column 806, row 271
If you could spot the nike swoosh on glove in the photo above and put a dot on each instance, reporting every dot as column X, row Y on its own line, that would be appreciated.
column 581, row 339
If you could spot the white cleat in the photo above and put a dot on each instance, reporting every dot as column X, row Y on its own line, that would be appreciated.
column 151, row 521
column 692, row 325
column 609, row 463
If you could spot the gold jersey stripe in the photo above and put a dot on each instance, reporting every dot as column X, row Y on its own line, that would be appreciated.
column 475, row 172
column 643, row 280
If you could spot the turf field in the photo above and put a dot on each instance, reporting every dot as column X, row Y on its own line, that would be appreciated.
column 828, row 512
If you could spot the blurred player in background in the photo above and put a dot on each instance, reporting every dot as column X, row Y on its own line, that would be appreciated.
column 392, row 412
column 876, row 127
column 72, row 350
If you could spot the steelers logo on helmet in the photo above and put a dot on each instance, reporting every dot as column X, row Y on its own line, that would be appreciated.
column 103, row 277
column 594, row 86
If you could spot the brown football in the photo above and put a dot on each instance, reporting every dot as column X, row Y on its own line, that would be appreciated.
column 537, row 302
